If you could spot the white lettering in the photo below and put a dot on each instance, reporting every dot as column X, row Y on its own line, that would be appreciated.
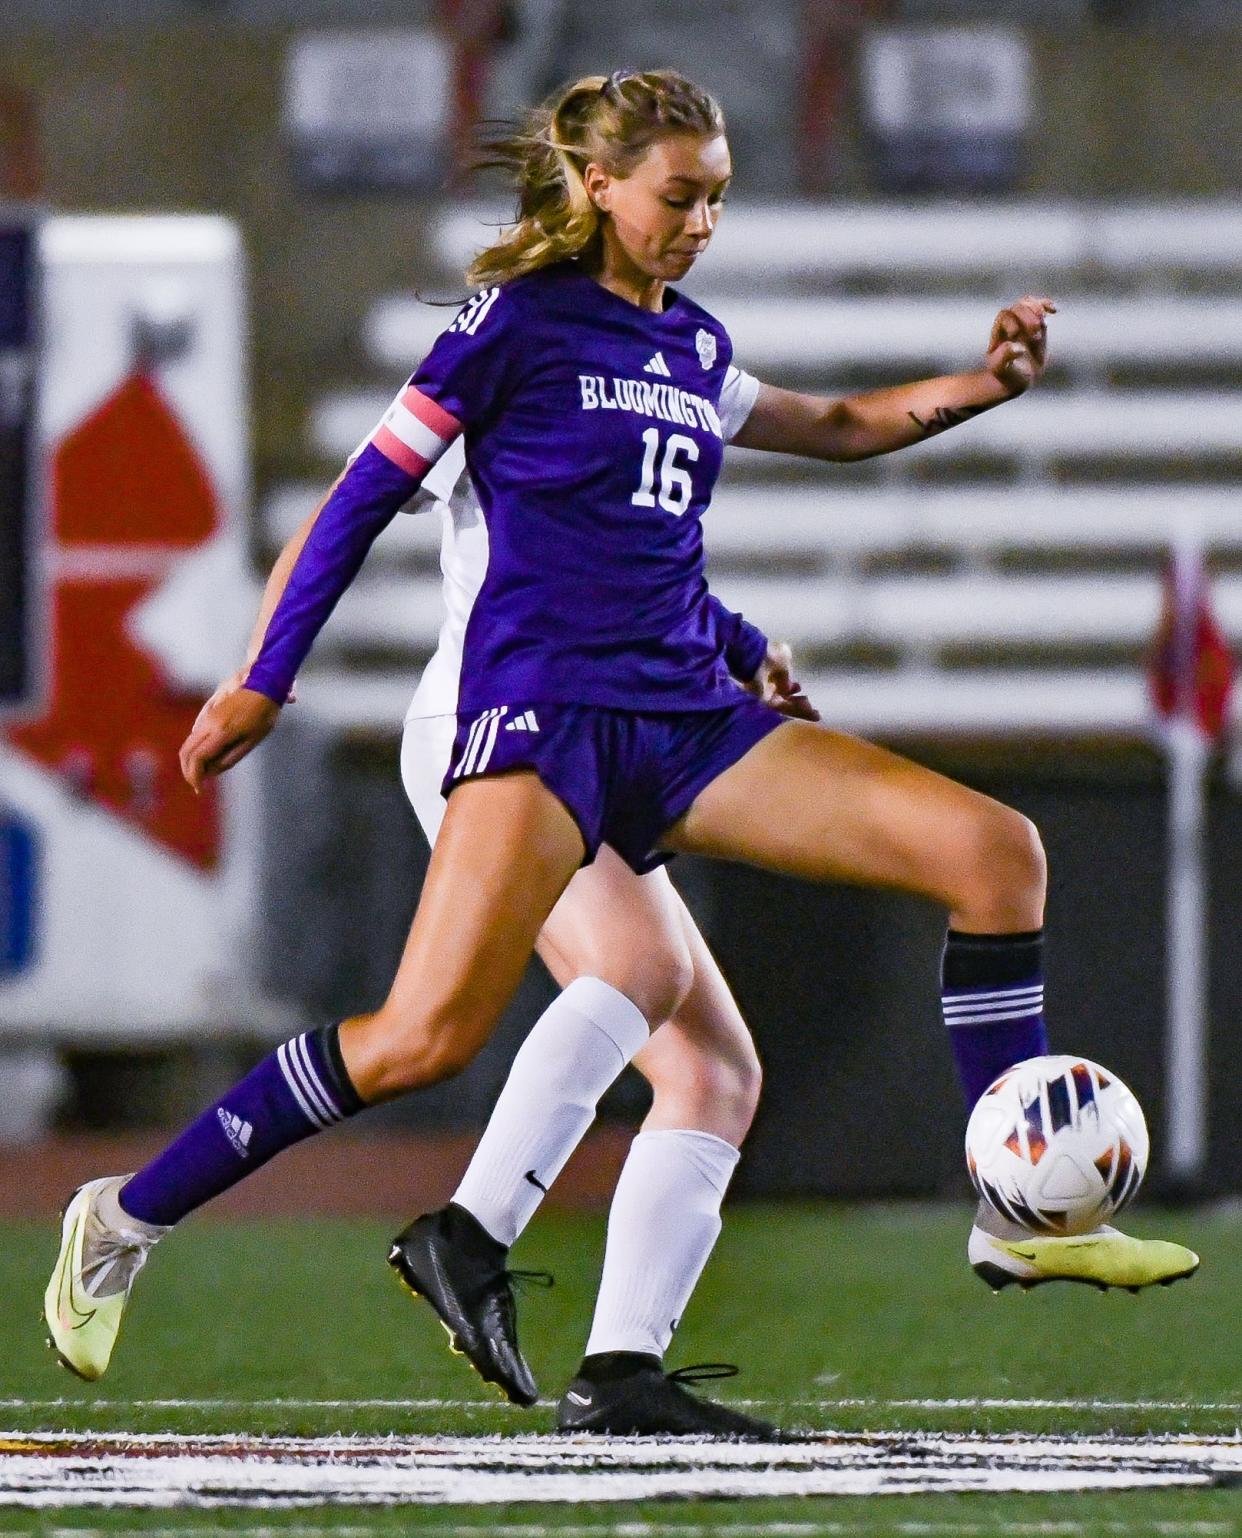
column 647, row 398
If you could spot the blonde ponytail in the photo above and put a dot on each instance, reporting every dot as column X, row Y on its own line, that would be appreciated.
column 612, row 120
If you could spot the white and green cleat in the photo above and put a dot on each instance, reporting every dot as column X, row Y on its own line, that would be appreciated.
column 1005, row 1255
column 102, row 1250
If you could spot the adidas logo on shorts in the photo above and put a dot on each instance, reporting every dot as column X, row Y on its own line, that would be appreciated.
column 481, row 739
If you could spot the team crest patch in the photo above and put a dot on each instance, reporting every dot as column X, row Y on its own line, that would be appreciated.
column 706, row 344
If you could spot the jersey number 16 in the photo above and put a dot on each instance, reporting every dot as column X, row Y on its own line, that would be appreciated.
column 676, row 487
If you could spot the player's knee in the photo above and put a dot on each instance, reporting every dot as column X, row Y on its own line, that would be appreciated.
column 1021, row 855
column 715, row 1092
column 737, row 1082
column 1009, row 867
column 656, row 979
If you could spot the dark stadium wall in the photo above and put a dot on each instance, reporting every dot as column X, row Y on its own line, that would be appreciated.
column 860, row 1097
column 839, row 986
column 187, row 116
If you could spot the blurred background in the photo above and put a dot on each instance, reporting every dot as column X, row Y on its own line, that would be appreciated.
column 219, row 222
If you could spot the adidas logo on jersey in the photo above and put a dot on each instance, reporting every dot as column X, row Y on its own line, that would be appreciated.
column 237, row 1131
column 524, row 723
column 658, row 366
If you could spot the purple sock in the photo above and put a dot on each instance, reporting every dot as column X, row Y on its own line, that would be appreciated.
column 992, row 991
column 299, row 1089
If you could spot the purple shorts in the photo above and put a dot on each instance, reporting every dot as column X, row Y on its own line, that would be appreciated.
column 624, row 776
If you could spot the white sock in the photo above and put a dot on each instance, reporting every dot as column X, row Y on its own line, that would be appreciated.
column 664, row 1221
column 575, row 1050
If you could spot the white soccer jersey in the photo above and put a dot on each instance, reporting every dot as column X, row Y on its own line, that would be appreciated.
column 464, row 550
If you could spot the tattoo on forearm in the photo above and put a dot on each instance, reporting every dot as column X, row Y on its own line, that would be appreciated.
column 944, row 417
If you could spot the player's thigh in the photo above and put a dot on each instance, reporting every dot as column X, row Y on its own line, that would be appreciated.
column 609, row 923
column 826, row 806
column 623, row 928
column 505, row 853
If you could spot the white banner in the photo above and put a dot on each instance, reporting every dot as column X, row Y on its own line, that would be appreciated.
column 135, row 895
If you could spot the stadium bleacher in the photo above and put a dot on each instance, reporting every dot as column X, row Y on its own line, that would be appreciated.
column 1003, row 577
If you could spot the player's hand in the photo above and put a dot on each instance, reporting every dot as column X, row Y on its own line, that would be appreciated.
column 231, row 723
column 776, row 686
column 236, row 681
column 1018, row 347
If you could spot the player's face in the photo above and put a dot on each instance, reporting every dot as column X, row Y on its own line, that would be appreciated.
column 663, row 213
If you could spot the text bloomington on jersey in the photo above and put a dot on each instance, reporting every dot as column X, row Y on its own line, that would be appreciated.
column 648, row 398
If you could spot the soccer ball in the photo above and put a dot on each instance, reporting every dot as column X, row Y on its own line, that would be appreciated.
column 1057, row 1144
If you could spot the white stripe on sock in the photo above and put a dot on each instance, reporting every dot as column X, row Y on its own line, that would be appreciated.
column 295, row 1068
column 965, row 1016
column 1026, row 1012
column 999, row 1001
column 311, row 1082
column 994, row 993
column 286, row 1067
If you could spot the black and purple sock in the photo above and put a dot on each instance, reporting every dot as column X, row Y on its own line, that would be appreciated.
column 299, row 1089
column 992, row 992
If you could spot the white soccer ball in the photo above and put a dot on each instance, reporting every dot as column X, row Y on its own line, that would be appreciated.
column 1057, row 1144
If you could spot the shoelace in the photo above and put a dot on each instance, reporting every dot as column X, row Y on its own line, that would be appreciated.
column 702, row 1372
column 525, row 1279
column 510, row 1278
column 116, row 1257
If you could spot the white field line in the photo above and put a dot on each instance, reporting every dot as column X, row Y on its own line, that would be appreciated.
column 120, row 1470
column 249, row 1404
column 1231, row 1406
column 606, row 1529
column 1076, row 1405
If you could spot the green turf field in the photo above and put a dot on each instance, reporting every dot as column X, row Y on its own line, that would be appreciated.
column 841, row 1318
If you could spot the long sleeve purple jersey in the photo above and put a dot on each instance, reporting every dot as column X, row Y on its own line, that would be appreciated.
column 593, row 437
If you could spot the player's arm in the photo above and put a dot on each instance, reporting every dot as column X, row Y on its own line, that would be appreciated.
column 763, row 668
column 312, row 571
column 744, row 645
column 272, row 592
column 470, row 370
column 880, row 421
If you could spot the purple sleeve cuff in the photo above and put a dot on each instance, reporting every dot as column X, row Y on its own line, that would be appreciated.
column 745, row 645
column 364, row 502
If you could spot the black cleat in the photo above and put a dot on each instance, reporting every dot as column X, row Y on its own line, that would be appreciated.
column 630, row 1395
column 450, row 1259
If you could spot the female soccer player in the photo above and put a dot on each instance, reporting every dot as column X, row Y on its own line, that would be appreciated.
column 629, row 957
column 594, row 704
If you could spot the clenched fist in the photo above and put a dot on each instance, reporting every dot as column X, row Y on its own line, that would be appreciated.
column 1018, row 347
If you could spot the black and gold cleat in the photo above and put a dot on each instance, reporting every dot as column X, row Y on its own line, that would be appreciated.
column 628, row 1394
column 449, row 1258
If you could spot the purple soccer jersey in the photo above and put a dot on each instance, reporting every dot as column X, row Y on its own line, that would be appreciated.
column 593, row 441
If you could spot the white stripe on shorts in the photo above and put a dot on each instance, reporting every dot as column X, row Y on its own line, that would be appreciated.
column 492, row 732
column 468, row 750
